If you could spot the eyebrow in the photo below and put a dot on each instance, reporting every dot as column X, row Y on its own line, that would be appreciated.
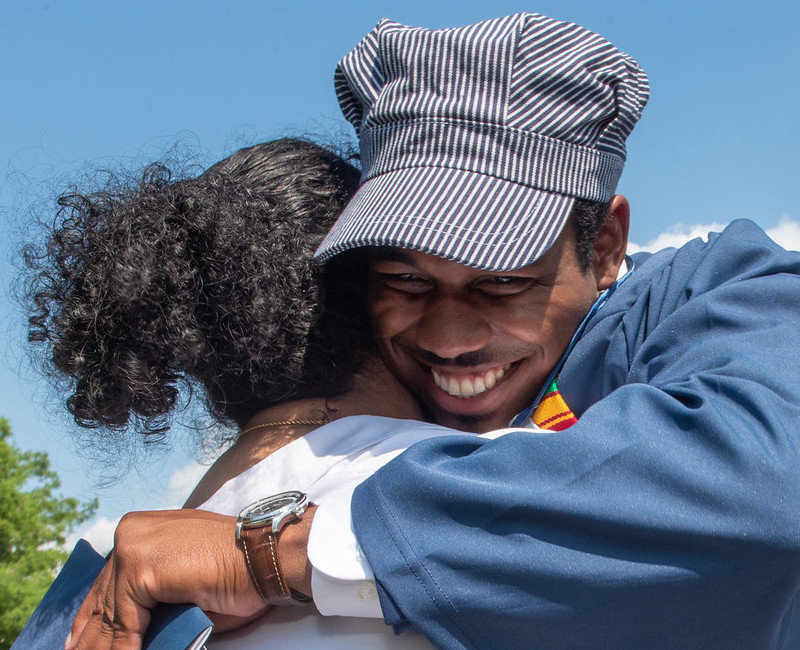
column 390, row 254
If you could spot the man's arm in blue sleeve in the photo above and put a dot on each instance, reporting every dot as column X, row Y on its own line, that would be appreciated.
column 667, row 517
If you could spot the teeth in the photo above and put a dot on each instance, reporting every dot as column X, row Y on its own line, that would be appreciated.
column 453, row 388
column 468, row 387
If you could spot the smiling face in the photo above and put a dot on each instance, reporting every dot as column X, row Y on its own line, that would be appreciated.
column 475, row 346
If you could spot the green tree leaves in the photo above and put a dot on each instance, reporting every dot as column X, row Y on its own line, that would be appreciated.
column 34, row 522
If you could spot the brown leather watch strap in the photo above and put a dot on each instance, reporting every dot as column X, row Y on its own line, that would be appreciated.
column 261, row 555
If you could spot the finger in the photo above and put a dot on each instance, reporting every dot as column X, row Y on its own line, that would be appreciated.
column 128, row 612
column 116, row 618
column 98, row 629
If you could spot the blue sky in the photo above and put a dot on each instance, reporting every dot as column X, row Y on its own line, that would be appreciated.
column 91, row 83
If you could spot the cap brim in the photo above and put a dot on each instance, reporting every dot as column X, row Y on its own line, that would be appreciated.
column 473, row 219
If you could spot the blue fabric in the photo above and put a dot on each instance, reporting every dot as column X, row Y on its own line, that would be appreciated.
column 667, row 517
column 50, row 623
column 172, row 627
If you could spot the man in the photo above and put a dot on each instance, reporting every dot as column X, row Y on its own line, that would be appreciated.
column 666, row 516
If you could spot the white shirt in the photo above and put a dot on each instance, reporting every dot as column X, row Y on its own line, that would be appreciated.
column 327, row 464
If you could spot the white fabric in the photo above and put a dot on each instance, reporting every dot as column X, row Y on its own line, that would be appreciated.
column 327, row 464
column 342, row 580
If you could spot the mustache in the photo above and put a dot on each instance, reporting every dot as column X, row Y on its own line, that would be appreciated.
column 465, row 360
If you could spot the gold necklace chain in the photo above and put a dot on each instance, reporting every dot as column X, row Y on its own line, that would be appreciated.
column 281, row 423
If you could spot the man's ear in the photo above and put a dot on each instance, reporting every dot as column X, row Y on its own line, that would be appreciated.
column 612, row 242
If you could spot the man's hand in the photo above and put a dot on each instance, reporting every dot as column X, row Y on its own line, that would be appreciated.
column 175, row 556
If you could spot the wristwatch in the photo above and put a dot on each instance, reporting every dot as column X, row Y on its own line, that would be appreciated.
column 257, row 531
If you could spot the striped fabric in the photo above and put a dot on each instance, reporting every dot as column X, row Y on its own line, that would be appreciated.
column 475, row 141
column 552, row 412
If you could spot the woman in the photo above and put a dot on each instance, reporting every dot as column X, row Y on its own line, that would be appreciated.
column 209, row 283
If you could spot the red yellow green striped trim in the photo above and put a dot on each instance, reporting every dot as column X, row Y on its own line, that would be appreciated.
column 552, row 412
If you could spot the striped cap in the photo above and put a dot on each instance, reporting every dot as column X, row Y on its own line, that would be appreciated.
column 475, row 141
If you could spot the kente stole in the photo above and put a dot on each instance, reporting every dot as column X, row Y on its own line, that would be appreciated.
column 552, row 412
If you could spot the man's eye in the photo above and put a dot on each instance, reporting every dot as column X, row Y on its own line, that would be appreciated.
column 405, row 282
column 503, row 284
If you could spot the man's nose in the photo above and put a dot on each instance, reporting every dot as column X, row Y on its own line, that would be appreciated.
column 449, row 327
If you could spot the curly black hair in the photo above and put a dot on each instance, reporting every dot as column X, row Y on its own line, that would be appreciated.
column 207, row 283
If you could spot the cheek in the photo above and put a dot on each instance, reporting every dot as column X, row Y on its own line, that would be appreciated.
column 388, row 316
column 550, row 324
column 565, row 316
column 526, row 321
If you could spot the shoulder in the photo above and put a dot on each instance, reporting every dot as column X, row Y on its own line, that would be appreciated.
column 661, row 282
column 689, row 299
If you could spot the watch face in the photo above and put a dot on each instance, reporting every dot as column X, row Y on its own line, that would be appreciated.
column 284, row 506
column 273, row 504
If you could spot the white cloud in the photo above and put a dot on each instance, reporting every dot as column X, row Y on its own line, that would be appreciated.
column 99, row 532
column 786, row 233
column 677, row 235
column 181, row 483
